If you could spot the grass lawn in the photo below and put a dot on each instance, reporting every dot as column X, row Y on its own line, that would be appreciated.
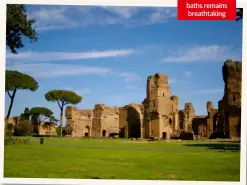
column 121, row 159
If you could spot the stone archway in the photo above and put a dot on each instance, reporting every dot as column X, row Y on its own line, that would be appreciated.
column 87, row 131
column 215, row 122
column 103, row 133
column 133, row 122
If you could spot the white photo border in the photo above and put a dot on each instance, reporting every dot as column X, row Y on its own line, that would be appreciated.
column 152, row 3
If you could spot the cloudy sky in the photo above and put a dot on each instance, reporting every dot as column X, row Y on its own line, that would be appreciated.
column 106, row 53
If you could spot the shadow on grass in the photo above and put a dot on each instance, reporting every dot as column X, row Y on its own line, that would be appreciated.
column 229, row 142
column 234, row 147
column 96, row 177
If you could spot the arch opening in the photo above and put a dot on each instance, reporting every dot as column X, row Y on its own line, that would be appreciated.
column 170, row 121
column 215, row 122
column 103, row 133
column 134, row 123
column 86, row 133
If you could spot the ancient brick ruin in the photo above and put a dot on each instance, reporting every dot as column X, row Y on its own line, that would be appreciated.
column 226, row 120
column 159, row 115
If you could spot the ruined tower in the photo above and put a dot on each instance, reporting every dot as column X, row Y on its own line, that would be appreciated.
column 230, row 104
column 160, row 108
column 189, row 113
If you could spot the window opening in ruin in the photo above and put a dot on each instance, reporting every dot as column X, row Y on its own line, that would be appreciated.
column 103, row 133
column 170, row 121
column 86, row 134
column 234, row 98
column 163, row 135
column 163, row 94
column 89, row 116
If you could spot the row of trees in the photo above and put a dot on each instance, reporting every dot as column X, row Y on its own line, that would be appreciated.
column 22, row 125
column 19, row 26
column 38, row 115
column 18, row 81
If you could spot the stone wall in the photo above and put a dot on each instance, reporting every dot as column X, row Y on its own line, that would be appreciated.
column 105, row 120
column 123, row 124
column 199, row 126
column 205, row 126
column 79, row 121
column 186, row 117
column 13, row 122
column 47, row 129
column 212, row 119
column 98, row 122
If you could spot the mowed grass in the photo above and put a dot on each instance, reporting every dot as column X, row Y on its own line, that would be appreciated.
column 121, row 159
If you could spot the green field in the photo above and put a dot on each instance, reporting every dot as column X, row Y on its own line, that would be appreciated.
column 122, row 159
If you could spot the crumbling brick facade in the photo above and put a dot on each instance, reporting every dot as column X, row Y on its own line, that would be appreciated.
column 159, row 115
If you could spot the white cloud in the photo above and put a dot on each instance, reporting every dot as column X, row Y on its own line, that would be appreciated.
column 124, row 99
column 125, row 11
column 59, row 56
column 162, row 14
column 134, row 94
column 84, row 91
column 208, row 53
column 49, row 14
column 208, row 91
column 50, row 18
column 187, row 73
column 62, row 17
column 130, row 87
column 47, row 70
column 129, row 77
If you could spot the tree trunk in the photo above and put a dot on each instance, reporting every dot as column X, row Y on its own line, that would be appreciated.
column 9, row 111
column 61, row 122
column 11, row 104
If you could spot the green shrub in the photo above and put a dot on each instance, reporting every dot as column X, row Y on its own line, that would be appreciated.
column 186, row 135
column 9, row 134
column 13, row 141
column 63, row 132
column 34, row 134
column 23, row 128
column 10, row 127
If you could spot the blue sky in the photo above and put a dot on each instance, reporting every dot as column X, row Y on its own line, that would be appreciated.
column 106, row 54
